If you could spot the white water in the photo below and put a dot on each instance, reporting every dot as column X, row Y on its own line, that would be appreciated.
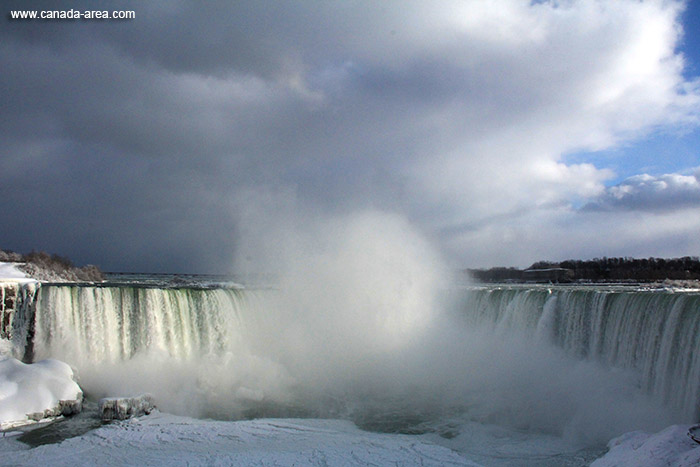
column 654, row 333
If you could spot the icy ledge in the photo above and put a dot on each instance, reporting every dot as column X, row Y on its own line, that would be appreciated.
column 669, row 447
column 37, row 392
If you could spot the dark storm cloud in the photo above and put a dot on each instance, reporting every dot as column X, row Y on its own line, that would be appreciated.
column 129, row 143
column 177, row 36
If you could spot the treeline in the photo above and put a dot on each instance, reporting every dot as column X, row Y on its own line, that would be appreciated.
column 599, row 270
column 52, row 267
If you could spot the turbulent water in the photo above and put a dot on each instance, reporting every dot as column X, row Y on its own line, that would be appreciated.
column 581, row 364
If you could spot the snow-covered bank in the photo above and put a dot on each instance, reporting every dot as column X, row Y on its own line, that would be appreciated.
column 34, row 393
column 161, row 439
column 669, row 447
column 10, row 272
column 165, row 439
column 42, row 267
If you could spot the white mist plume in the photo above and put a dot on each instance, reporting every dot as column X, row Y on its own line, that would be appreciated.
column 353, row 290
column 367, row 284
column 361, row 313
column 359, row 325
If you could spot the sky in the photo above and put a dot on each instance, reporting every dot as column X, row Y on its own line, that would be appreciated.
column 504, row 131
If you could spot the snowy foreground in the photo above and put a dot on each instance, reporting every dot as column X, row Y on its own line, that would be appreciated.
column 162, row 439
column 670, row 447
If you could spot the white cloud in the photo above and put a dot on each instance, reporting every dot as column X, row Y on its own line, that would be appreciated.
column 587, row 80
column 668, row 192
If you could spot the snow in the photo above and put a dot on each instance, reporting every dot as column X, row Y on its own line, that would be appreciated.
column 669, row 447
column 10, row 273
column 31, row 393
column 162, row 439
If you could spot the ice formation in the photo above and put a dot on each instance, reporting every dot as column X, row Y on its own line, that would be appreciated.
column 121, row 408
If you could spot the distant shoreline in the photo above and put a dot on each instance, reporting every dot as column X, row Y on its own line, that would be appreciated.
column 598, row 270
column 665, row 284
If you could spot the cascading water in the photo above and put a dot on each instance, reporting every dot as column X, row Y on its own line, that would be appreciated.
column 543, row 359
column 113, row 324
column 656, row 333
column 189, row 346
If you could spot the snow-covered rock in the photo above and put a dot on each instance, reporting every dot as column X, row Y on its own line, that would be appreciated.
column 121, row 408
column 31, row 393
column 669, row 447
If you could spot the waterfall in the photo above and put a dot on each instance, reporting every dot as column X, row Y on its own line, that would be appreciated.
column 655, row 333
column 112, row 324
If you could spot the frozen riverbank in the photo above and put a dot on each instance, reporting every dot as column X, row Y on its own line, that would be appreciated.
column 164, row 439
column 161, row 439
